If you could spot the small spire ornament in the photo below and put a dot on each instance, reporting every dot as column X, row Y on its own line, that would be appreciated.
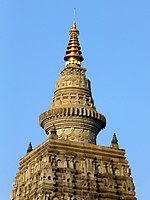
column 29, row 148
column 114, row 142
column 53, row 133
column 53, row 130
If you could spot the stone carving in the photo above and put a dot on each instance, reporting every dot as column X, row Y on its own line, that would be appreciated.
column 70, row 166
column 65, row 174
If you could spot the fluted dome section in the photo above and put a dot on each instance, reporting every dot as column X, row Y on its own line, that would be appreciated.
column 73, row 53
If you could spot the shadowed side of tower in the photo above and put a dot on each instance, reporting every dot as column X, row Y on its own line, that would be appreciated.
column 69, row 165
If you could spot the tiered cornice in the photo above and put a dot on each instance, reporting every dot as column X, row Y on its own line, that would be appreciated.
column 72, row 109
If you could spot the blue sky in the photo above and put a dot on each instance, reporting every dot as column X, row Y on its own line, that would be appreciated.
column 115, row 41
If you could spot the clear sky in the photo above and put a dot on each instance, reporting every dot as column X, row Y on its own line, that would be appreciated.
column 115, row 41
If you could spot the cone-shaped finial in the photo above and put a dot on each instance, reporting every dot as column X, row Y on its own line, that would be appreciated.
column 29, row 148
column 53, row 130
column 114, row 139
column 114, row 142
column 73, row 53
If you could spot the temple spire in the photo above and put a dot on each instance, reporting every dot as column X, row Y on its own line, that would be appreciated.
column 73, row 52
column 29, row 148
column 114, row 142
column 73, row 102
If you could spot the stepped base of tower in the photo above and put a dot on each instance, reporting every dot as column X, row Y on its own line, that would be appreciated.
column 62, row 169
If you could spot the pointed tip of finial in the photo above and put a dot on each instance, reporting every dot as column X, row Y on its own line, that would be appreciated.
column 29, row 148
column 114, row 142
column 74, row 16
column 53, row 133
column 74, row 19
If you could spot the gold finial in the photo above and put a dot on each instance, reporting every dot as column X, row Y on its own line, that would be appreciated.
column 73, row 53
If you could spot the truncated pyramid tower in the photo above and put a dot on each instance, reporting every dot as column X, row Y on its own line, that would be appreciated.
column 69, row 165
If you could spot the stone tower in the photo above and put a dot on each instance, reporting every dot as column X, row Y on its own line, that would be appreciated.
column 69, row 165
